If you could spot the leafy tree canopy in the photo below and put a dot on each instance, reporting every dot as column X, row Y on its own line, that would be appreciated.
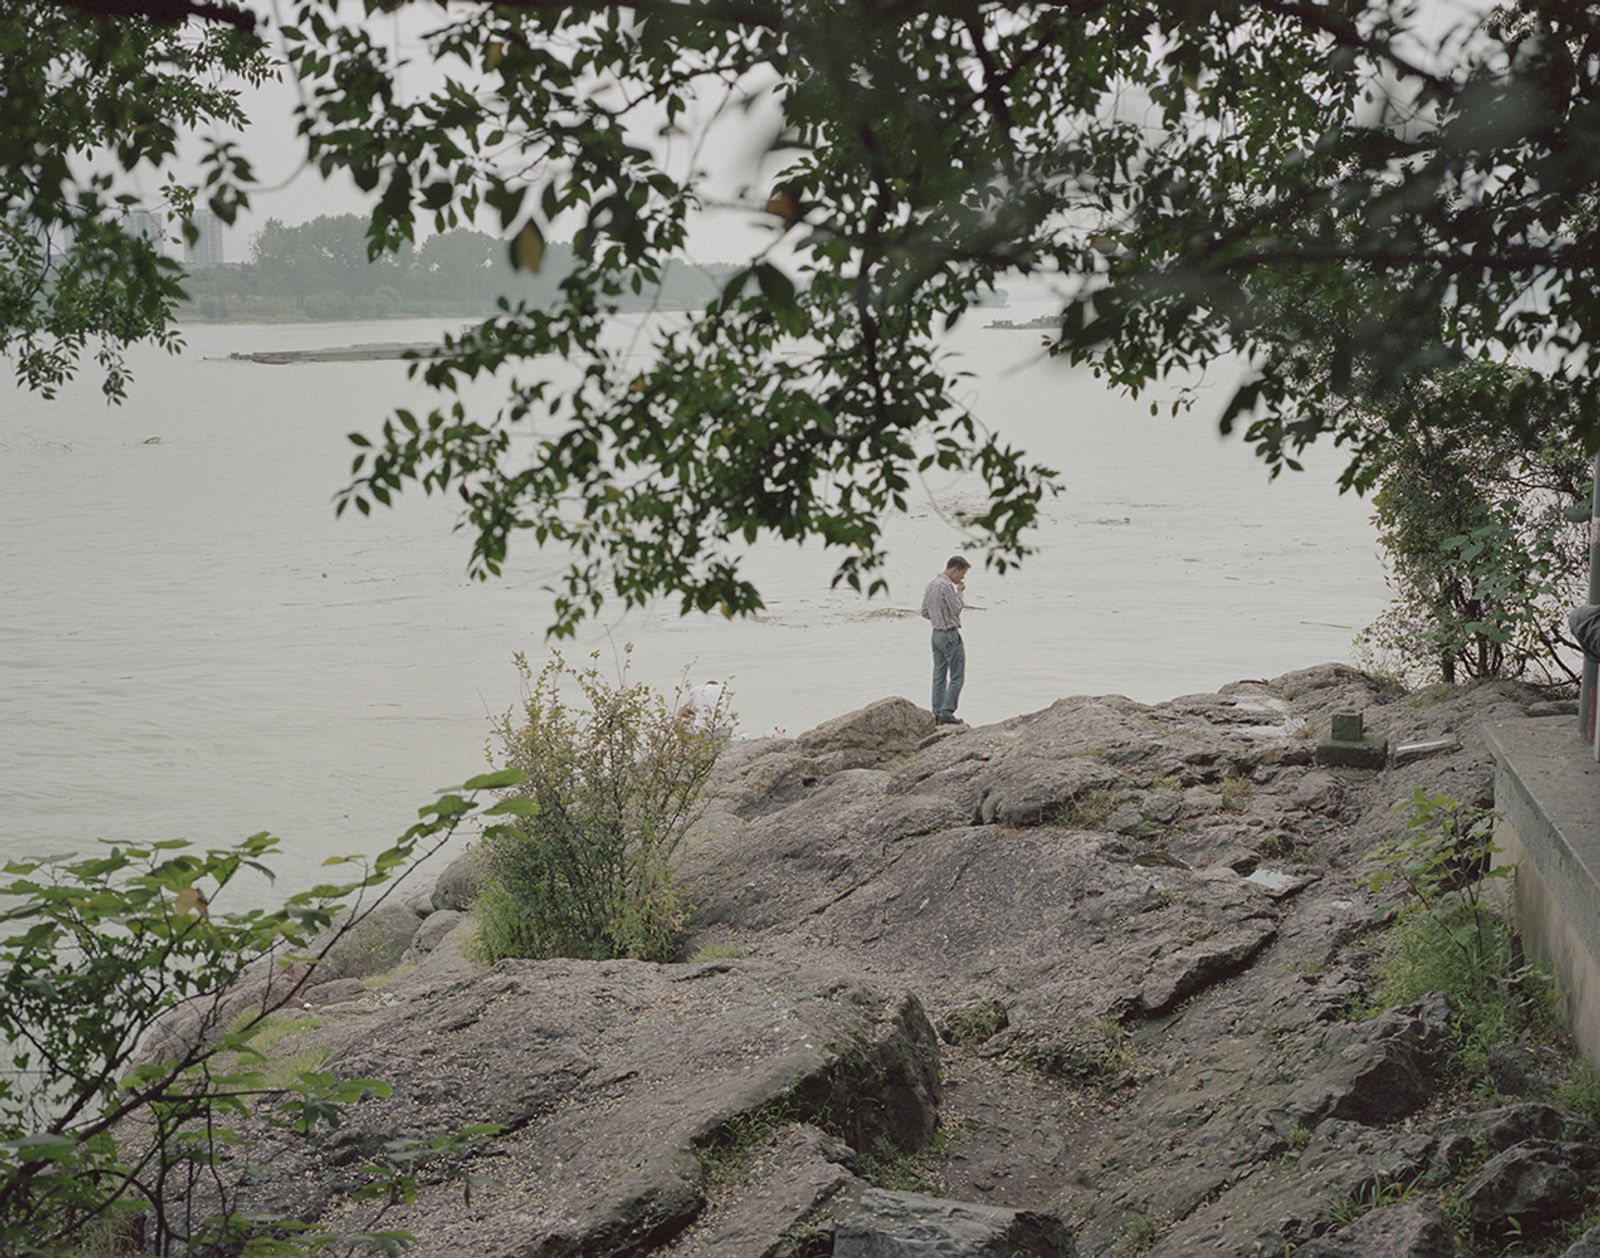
column 1183, row 168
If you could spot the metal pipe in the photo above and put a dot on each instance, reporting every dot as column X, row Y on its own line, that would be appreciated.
column 1591, row 668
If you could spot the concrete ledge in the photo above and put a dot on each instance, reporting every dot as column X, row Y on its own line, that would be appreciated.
column 1547, row 791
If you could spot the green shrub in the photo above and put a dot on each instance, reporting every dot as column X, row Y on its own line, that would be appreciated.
column 100, row 1141
column 1484, row 555
column 1447, row 938
column 609, row 789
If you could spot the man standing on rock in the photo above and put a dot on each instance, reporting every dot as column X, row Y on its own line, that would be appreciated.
column 941, row 604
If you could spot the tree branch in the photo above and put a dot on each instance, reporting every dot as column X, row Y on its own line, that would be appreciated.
column 166, row 11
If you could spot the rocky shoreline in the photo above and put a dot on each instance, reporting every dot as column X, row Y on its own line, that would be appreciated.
column 1080, row 982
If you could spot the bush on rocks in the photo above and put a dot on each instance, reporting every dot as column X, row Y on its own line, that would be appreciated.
column 610, row 789
column 141, row 1013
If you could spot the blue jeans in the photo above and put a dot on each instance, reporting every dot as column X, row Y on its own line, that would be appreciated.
column 949, row 670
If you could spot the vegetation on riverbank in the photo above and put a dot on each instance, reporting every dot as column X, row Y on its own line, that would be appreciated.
column 320, row 270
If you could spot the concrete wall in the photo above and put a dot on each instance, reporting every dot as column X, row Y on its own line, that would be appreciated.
column 1549, row 938
column 1547, row 790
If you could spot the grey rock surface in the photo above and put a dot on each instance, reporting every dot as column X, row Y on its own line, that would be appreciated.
column 884, row 1224
column 606, row 1078
column 1385, row 1073
column 1586, row 1246
column 1405, row 1231
column 876, row 735
column 785, row 1206
column 419, row 901
column 334, row 993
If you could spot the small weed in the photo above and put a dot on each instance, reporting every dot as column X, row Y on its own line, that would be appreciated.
column 375, row 982
column 1138, row 1235
column 1171, row 782
column 729, row 1151
column 280, row 1072
column 1235, row 793
column 1277, row 847
column 265, row 1035
column 1163, row 897
column 973, row 1024
column 1308, row 969
column 1568, row 1233
column 1580, row 1092
column 1105, row 1050
column 716, row 952
column 1303, row 731
column 812, row 1236
column 1117, row 1051
column 1369, row 1199
column 1084, row 811
column 1299, row 1138
column 890, row 1167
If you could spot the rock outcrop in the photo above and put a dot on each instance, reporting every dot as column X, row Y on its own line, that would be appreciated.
column 1143, row 931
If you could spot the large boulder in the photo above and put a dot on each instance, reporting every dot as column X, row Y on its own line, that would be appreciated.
column 1386, row 1073
column 434, row 928
column 460, row 881
column 870, row 737
column 375, row 942
column 1534, row 1183
column 613, row 1082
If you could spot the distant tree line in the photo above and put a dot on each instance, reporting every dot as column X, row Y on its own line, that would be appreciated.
column 320, row 270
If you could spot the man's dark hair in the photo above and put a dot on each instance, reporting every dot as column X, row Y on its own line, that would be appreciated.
column 956, row 561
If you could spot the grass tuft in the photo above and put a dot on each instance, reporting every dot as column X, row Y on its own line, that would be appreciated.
column 973, row 1024
column 1086, row 810
column 1235, row 794
column 716, row 952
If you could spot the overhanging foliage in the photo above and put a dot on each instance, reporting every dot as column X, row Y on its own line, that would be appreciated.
column 1172, row 163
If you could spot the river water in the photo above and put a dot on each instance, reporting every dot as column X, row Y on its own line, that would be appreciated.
column 192, row 646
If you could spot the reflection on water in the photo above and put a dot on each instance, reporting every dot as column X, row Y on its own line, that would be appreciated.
column 191, row 645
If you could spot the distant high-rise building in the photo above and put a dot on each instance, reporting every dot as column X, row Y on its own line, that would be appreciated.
column 145, row 225
column 207, row 247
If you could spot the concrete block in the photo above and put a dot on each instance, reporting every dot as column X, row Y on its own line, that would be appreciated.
column 1347, row 727
column 1366, row 753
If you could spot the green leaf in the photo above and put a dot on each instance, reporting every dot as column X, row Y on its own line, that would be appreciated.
column 515, row 807
column 497, row 780
column 527, row 248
